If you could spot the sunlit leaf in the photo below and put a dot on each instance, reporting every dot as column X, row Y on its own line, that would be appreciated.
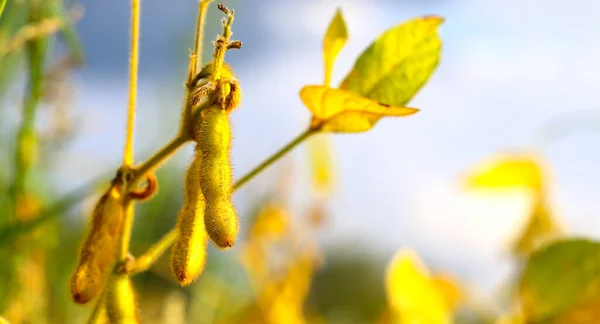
column 321, row 164
column 541, row 228
column 413, row 296
column 450, row 289
column 282, row 299
column 559, row 277
column 398, row 63
column 507, row 171
column 334, row 41
column 340, row 111
column 272, row 221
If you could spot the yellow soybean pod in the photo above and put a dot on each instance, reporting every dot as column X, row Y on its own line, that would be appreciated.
column 188, row 255
column 214, row 140
column 121, row 301
column 98, row 252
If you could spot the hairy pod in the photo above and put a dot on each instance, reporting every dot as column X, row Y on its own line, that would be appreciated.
column 121, row 302
column 226, row 91
column 214, row 138
column 188, row 254
column 99, row 250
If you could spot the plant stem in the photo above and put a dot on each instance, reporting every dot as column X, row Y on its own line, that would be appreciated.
column 299, row 139
column 125, row 235
column 159, row 157
column 144, row 261
column 128, row 206
column 194, row 68
column 199, row 38
column 99, row 311
column 221, row 46
column 133, row 74
column 25, row 152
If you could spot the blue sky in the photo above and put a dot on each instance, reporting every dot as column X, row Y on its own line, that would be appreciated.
column 507, row 68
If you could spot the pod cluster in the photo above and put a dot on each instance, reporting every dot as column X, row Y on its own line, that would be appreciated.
column 207, row 210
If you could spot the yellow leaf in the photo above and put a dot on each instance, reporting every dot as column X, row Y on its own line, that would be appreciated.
column 559, row 279
column 282, row 299
column 271, row 222
column 340, row 111
column 412, row 295
column 508, row 171
column 322, row 165
column 335, row 39
column 541, row 228
column 398, row 63
column 450, row 289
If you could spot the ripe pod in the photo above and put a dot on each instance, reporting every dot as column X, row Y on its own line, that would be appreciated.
column 188, row 254
column 214, row 138
column 98, row 252
column 121, row 303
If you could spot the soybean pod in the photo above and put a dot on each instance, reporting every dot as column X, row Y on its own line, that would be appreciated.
column 213, row 134
column 121, row 301
column 99, row 250
column 188, row 254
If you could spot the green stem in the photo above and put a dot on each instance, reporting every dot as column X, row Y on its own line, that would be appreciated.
column 199, row 38
column 2, row 4
column 299, row 139
column 144, row 261
column 125, row 235
column 25, row 152
column 99, row 309
column 221, row 47
column 158, row 158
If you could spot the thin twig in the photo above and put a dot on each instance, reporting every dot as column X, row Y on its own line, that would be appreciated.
column 133, row 74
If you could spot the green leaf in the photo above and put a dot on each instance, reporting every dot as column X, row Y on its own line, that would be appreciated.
column 334, row 41
column 398, row 63
column 560, row 277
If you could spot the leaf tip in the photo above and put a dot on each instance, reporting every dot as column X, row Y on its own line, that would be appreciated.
column 435, row 18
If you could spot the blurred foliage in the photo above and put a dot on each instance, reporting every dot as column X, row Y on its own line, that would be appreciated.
column 279, row 273
column 412, row 294
column 561, row 283
column 514, row 170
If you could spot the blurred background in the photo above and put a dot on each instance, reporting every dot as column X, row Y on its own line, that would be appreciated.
column 514, row 75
